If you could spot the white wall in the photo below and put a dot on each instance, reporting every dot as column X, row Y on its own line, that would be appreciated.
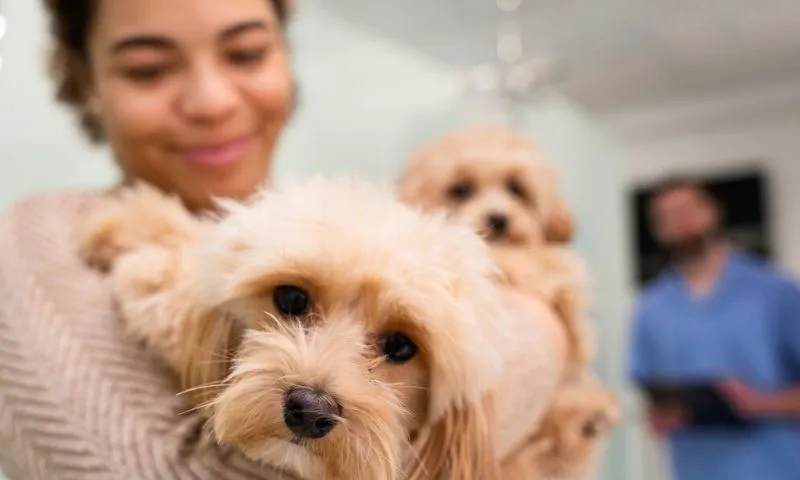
column 40, row 148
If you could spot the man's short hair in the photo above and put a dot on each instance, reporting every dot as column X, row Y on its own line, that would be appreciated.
column 672, row 183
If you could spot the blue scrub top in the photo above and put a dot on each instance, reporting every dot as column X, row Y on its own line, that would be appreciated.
column 748, row 329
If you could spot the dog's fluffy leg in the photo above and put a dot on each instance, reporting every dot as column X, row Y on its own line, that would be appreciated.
column 567, row 304
column 568, row 440
column 149, row 285
column 565, row 274
column 135, row 217
column 558, row 276
column 144, row 238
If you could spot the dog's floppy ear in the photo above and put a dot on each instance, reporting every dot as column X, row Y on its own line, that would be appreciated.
column 211, row 338
column 417, row 184
column 560, row 224
column 412, row 185
column 460, row 445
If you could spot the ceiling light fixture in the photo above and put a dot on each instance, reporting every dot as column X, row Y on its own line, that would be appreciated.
column 512, row 78
column 508, row 5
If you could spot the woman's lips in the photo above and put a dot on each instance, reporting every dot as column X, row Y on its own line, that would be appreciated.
column 220, row 154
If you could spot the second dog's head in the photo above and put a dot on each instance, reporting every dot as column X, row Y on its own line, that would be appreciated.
column 339, row 334
column 492, row 179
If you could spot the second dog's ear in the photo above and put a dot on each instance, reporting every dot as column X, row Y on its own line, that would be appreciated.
column 411, row 187
column 560, row 225
column 459, row 445
column 416, row 186
column 212, row 337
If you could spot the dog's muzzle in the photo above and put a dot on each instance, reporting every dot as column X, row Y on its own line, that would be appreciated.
column 497, row 225
column 310, row 413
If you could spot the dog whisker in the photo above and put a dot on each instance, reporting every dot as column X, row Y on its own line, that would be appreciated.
column 221, row 356
column 200, row 387
column 410, row 387
column 193, row 409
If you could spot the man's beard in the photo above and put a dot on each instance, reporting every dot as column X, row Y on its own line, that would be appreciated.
column 690, row 249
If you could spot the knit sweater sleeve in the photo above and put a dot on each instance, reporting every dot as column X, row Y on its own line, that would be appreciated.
column 78, row 399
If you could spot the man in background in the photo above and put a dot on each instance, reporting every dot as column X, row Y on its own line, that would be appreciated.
column 719, row 314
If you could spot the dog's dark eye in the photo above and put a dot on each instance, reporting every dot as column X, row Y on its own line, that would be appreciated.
column 516, row 189
column 461, row 191
column 291, row 301
column 398, row 348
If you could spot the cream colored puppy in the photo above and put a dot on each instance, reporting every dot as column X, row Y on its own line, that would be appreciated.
column 323, row 328
column 494, row 180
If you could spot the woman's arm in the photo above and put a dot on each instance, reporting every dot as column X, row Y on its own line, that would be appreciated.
column 79, row 399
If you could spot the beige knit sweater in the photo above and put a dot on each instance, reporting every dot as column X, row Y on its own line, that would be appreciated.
column 78, row 400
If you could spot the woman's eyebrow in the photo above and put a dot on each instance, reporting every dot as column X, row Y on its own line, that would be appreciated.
column 142, row 41
column 164, row 43
column 243, row 27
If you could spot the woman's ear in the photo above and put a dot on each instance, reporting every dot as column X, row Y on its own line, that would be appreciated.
column 460, row 445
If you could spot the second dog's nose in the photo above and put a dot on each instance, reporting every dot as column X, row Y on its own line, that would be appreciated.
column 310, row 413
column 498, row 222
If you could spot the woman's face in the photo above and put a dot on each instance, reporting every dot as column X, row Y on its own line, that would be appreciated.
column 192, row 94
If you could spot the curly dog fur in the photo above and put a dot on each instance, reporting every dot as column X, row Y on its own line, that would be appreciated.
column 494, row 180
column 324, row 328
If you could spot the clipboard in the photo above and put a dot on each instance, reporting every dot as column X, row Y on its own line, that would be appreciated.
column 706, row 405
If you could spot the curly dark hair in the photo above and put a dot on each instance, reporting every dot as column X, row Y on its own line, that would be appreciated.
column 70, row 21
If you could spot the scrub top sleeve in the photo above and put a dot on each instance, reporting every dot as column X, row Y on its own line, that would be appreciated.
column 789, row 318
column 639, row 362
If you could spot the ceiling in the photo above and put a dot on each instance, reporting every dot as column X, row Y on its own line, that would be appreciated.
column 615, row 54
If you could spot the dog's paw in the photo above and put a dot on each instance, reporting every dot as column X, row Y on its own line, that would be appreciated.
column 136, row 216
column 144, row 271
column 600, row 420
column 104, row 236
column 595, row 425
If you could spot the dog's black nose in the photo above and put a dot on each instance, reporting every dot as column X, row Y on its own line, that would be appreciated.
column 310, row 413
column 498, row 222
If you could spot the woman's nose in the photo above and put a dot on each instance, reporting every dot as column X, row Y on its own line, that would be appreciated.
column 210, row 96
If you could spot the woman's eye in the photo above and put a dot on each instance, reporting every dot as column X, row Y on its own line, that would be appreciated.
column 398, row 348
column 146, row 74
column 291, row 301
column 247, row 57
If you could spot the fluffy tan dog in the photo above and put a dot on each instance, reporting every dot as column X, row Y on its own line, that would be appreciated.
column 569, row 441
column 323, row 328
column 493, row 179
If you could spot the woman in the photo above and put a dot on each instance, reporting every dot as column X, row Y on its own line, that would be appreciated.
column 191, row 96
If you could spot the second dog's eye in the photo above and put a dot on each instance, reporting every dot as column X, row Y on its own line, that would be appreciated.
column 398, row 348
column 461, row 191
column 291, row 301
column 517, row 189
